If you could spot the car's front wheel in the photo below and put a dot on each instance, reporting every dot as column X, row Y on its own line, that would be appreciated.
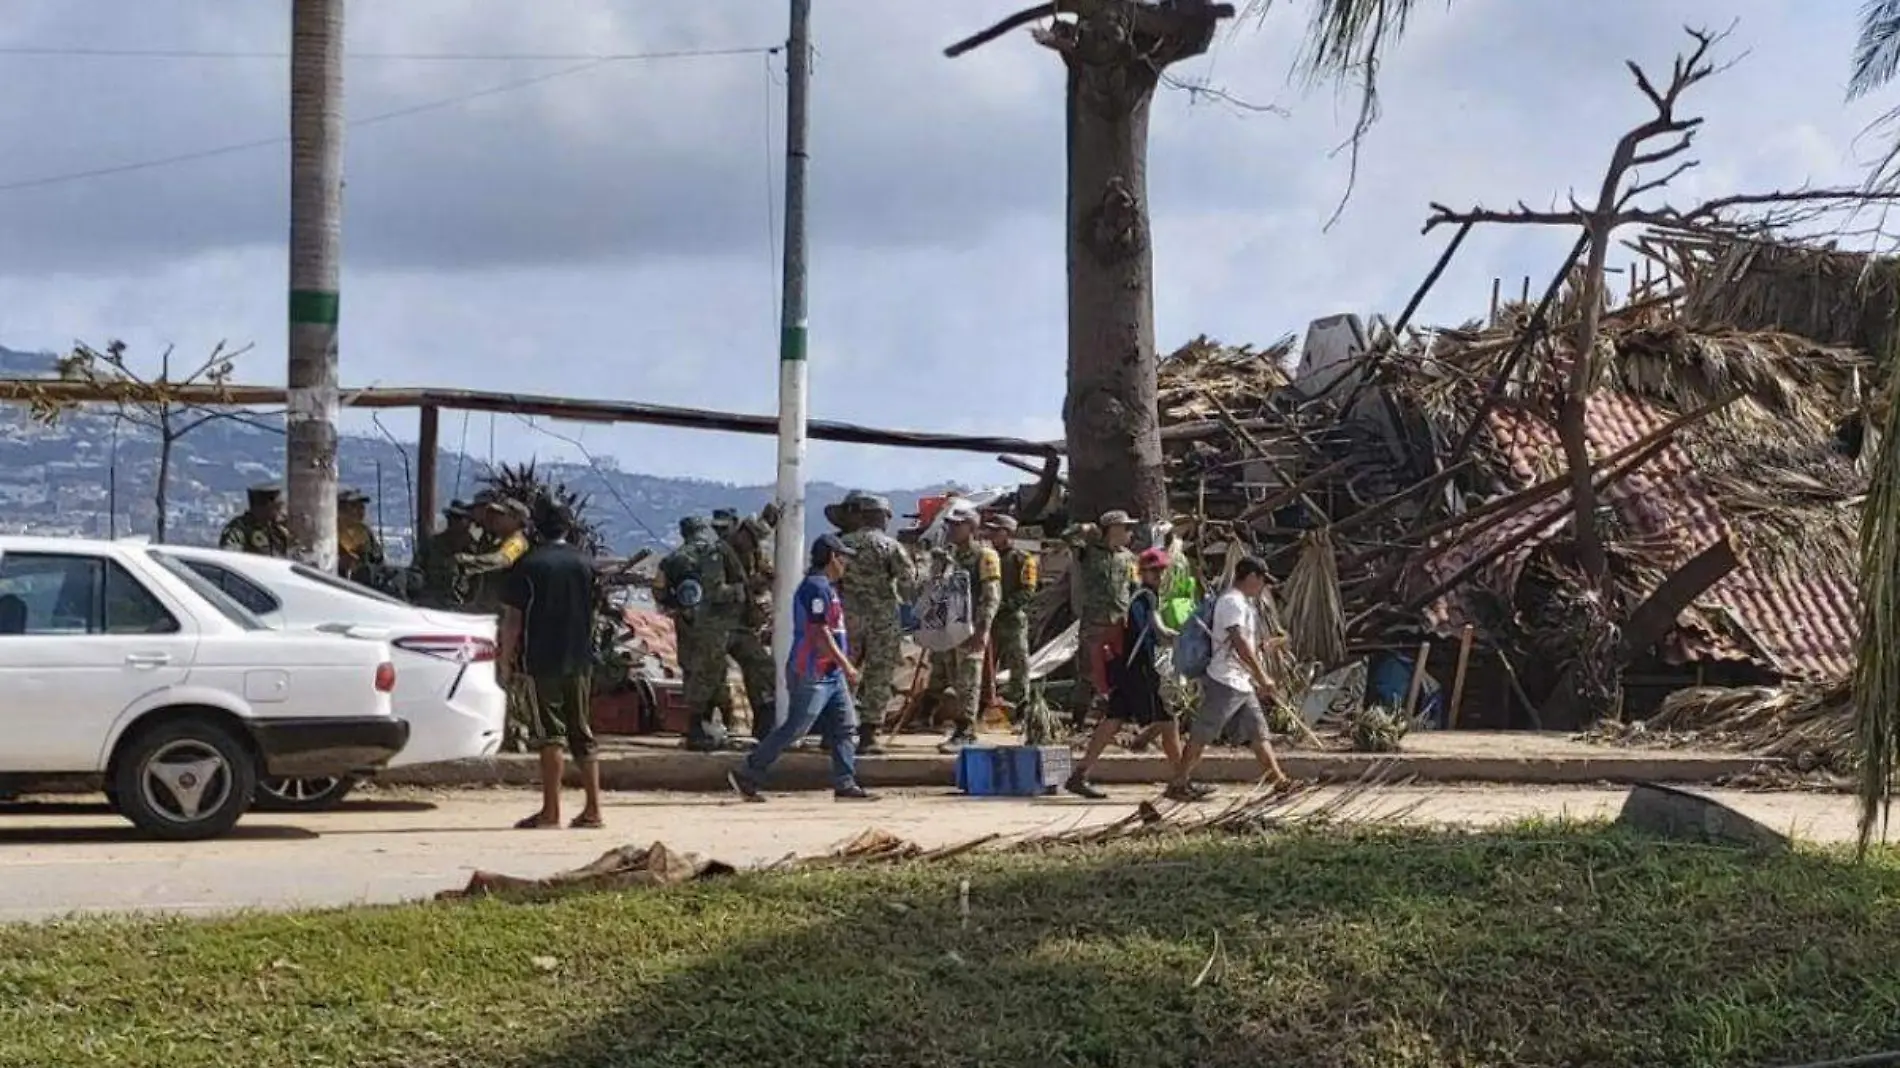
column 184, row 780
column 302, row 795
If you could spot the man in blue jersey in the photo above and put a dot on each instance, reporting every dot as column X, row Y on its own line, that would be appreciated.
column 819, row 677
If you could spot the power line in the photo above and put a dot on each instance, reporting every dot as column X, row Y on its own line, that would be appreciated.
column 387, row 116
column 60, row 52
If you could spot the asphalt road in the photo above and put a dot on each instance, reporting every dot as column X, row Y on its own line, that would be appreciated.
column 61, row 857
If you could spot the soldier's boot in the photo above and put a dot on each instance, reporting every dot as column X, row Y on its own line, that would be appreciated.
column 707, row 733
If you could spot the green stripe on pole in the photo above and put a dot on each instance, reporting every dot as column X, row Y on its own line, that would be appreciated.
column 791, row 344
column 313, row 306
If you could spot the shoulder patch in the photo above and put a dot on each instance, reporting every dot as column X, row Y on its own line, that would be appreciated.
column 1031, row 570
column 989, row 568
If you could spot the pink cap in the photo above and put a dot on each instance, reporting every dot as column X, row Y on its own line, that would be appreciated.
column 1154, row 558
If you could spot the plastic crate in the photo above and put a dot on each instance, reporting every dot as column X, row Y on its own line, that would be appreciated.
column 1012, row 770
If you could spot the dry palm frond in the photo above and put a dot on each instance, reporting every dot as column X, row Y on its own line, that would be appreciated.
column 1811, row 725
column 1315, row 617
column 1877, row 677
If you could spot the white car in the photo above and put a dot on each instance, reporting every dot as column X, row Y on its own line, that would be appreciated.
column 448, row 690
column 122, row 666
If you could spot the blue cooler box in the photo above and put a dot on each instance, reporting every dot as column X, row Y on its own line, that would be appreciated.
column 1012, row 770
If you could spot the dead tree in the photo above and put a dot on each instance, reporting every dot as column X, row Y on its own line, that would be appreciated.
column 1661, row 142
column 151, row 403
column 1116, row 52
column 1663, row 139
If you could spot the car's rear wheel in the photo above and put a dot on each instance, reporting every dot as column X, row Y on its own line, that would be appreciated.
column 184, row 780
column 302, row 795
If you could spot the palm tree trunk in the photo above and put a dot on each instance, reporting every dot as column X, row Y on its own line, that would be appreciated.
column 316, row 218
column 1115, row 54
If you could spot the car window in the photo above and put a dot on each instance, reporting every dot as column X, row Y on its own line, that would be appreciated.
column 217, row 598
column 59, row 594
column 130, row 608
column 237, row 587
column 344, row 585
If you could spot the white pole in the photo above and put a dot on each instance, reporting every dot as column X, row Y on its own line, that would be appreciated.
column 789, row 538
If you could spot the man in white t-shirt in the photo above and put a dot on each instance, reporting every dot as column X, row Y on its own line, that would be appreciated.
column 1235, row 681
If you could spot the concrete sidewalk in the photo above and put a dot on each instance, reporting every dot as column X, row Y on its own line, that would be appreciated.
column 1515, row 757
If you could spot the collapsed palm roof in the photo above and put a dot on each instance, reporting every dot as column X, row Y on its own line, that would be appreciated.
column 1723, row 429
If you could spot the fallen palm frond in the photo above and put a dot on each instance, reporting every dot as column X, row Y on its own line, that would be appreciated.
column 658, row 865
column 1809, row 725
column 1877, row 676
column 1315, row 617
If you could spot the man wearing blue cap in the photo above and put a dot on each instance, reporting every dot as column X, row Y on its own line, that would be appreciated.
column 819, row 676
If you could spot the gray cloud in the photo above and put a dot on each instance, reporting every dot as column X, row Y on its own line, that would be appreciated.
column 532, row 242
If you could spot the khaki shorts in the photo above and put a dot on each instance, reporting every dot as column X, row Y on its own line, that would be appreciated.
column 1224, row 705
column 558, row 712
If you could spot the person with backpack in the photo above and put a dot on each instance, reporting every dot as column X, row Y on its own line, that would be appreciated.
column 704, row 592
column 1233, row 676
column 1134, row 679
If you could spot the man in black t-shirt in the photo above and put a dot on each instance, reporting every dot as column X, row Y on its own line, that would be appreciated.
column 547, row 637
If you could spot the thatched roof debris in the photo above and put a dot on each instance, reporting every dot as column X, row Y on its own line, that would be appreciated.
column 1705, row 433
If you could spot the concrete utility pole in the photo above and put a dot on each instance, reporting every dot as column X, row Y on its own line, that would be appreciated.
column 316, row 238
column 789, row 538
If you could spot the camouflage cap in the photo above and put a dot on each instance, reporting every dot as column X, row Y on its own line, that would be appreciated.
column 1002, row 522
column 859, row 500
column 692, row 524
column 724, row 519
column 1115, row 517
column 351, row 496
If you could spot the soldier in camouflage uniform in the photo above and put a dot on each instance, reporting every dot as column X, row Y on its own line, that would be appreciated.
column 358, row 551
column 705, row 629
column 1104, row 581
column 961, row 669
column 444, row 585
column 506, row 521
column 880, row 578
column 1011, row 631
column 749, row 642
column 260, row 530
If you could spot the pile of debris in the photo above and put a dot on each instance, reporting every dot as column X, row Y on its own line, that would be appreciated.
column 1433, row 465
column 1807, row 726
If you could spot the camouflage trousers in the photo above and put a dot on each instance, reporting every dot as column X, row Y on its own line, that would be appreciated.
column 1089, row 638
column 705, row 647
column 878, row 645
column 1009, row 636
column 959, row 672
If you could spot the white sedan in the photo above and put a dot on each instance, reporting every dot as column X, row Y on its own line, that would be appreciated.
column 448, row 692
column 122, row 667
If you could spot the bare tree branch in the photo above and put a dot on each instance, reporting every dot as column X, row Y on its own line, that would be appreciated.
column 1018, row 20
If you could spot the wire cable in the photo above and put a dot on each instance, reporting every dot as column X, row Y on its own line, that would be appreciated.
column 57, row 52
column 599, row 474
column 514, row 85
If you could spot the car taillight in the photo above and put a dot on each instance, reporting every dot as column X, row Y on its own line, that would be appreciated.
column 385, row 677
column 460, row 648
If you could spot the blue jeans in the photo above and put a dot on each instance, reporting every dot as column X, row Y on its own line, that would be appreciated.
column 826, row 701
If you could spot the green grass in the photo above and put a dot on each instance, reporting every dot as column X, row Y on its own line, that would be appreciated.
column 1546, row 945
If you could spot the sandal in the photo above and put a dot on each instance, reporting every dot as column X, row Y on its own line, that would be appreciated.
column 584, row 822
column 535, row 823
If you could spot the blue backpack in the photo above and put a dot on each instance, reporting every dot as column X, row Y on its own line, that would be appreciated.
column 1194, row 647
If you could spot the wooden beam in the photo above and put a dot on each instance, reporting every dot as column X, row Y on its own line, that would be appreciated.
column 428, row 438
column 205, row 395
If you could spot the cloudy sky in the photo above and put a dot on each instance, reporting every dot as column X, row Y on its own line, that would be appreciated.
column 610, row 231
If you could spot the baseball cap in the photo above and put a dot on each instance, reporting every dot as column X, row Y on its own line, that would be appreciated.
column 960, row 512
column 827, row 546
column 999, row 521
column 1116, row 518
column 1152, row 559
